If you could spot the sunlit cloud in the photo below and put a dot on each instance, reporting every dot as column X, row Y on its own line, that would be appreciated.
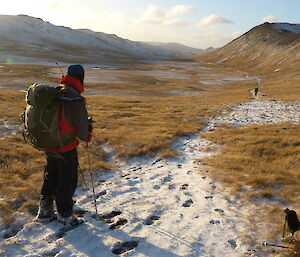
column 180, row 10
column 270, row 18
column 153, row 14
column 176, row 22
column 236, row 34
column 213, row 20
column 52, row 5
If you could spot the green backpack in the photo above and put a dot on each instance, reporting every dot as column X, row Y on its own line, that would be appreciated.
column 40, row 117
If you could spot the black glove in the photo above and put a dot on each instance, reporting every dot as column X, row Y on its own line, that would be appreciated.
column 89, row 137
column 90, row 124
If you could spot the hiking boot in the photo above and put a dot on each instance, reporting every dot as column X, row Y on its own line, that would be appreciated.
column 71, row 220
column 45, row 212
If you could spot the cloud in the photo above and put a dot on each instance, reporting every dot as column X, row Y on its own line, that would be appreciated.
column 211, row 39
column 270, row 18
column 213, row 21
column 236, row 34
column 153, row 14
column 176, row 22
column 180, row 10
column 52, row 5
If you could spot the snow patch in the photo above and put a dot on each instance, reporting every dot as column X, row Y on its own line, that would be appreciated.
column 295, row 28
column 230, row 79
column 171, row 207
column 9, row 128
column 261, row 112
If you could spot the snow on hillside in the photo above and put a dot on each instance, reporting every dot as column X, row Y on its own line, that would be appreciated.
column 159, row 208
column 32, row 37
column 295, row 28
column 175, row 48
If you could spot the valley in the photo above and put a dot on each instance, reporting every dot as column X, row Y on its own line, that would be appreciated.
column 197, row 163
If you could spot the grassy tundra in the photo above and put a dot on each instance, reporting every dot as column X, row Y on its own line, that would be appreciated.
column 142, row 111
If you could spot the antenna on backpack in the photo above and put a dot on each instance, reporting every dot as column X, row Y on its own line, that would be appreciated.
column 60, row 69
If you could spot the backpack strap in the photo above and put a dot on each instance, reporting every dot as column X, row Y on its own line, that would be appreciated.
column 68, row 94
column 64, row 126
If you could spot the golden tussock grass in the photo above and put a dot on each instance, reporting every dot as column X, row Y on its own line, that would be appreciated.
column 20, row 174
column 262, row 161
column 261, row 164
column 136, row 118
column 146, row 123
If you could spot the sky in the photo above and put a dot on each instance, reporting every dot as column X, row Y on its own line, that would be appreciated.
column 195, row 23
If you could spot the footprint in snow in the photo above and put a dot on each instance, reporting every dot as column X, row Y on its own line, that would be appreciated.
column 121, row 222
column 135, row 168
column 188, row 203
column 158, row 160
column 155, row 176
column 172, row 186
column 219, row 210
column 107, row 216
column 103, row 192
column 80, row 212
column 123, row 247
column 133, row 183
column 166, row 179
column 150, row 220
column 232, row 242
column 184, row 187
column 214, row 222
column 59, row 234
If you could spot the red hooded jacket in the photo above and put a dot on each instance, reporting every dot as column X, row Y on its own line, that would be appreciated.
column 73, row 117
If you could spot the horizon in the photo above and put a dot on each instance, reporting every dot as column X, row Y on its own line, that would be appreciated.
column 192, row 23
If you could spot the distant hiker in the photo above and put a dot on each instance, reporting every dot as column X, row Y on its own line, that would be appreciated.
column 61, row 170
column 257, row 87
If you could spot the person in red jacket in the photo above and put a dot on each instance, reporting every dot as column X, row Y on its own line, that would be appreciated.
column 61, row 170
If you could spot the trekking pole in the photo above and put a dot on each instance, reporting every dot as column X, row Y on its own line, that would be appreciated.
column 84, row 182
column 89, row 163
column 275, row 245
column 284, row 229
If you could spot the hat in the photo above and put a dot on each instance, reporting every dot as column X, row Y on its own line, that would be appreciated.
column 76, row 71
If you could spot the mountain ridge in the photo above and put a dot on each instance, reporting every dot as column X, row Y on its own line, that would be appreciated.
column 264, row 48
column 25, row 38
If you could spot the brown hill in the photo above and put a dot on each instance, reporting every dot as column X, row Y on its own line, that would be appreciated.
column 269, row 47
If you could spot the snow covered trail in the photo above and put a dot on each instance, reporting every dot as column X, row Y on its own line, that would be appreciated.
column 159, row 208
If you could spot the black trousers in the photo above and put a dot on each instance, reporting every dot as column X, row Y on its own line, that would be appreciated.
column 60, row 180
